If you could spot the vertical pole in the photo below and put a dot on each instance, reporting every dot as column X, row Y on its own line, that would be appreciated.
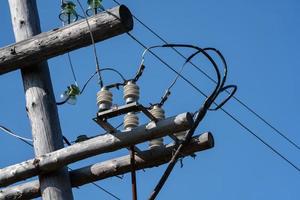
column 40, row 103
column 133, row 173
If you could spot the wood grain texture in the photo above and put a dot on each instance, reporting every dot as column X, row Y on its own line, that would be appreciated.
column 114, row 167
column 35, row 49
column 102, row 144
column 40, row 102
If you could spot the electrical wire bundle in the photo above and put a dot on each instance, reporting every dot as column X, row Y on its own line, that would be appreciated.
column 73, row 90
column 205, row 107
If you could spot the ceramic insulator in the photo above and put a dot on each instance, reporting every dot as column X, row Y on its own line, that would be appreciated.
column 159, row 114
column 131, row 120
column 131, row 92
column 104, row 99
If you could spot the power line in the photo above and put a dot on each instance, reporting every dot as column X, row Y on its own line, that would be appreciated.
column 26, row 140
column 225, row 111
column 93, row 183
column 11, row 133
column 72, row 69
column 211, row 79
column 93, row 44
column 260, row 139
column 101, row 188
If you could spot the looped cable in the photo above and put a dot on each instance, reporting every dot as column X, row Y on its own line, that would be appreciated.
column 105, row 69
column 199, row 115
column 231, row 94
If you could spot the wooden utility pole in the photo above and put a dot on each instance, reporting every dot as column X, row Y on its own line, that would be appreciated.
column 106, row 169
column 94, row 146
column 58, row 41
column 40, row 103
column 29, row 53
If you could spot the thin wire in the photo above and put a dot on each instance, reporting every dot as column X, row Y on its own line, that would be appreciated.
column 101, row 188
column 260, row 139
column 103, row 69
column 177, row 76
column 93, row 183
column 27, row 141
column 167, row 65
column 204, row 108
column 167, row 91
column 211, row 79
column 64, row 101
column 72, row 69
column 93, row 44
column 62, row 2
column 226, row 112
column 220, row 83
column 6, row 130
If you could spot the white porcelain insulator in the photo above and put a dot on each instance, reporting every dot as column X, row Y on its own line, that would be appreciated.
column 104, row 99
column 131, row 92
column 159, row 114
column 131, row 120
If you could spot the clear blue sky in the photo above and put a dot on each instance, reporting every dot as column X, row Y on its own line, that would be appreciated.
column 260, row 40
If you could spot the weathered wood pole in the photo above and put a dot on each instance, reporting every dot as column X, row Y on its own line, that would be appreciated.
column 104, row 25
column 40, row 103
column 114, row 167
column 98, row 145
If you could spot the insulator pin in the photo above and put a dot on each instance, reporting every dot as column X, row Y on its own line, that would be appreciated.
column 131, row 92
column 159, row 114
column 104, row 99
column 131, row 120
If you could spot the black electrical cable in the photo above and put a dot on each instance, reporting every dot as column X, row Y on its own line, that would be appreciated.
column 166, row 64
column 64, row 101
column 93, row 183
column 200, row 115
column 139, row 73
column 202, row 93
column 103, row 189
column 220, row 83
column 225, row 111
column 260, row 139
column 283, row 135
column 103, row 69
column 220, row 105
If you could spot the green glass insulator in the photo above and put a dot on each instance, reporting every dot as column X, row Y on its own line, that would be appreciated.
column 94, row 7
column 94, row 3
column 73, row 90
column 68, row 13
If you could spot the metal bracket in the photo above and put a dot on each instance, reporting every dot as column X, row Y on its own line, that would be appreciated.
column 120, row 110
column 103, row 116
column 105, row 125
